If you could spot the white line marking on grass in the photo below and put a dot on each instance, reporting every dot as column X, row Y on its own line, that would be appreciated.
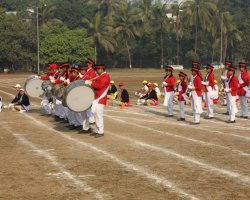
column 140, row 170
column 208, row 167
column 167, row 121
column 200, row 142
column 67, row 175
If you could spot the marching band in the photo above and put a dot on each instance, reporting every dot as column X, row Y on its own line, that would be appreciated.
column 195, row 88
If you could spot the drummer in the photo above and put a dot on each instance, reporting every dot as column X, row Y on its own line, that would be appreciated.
column 49, row 76
column 101, row 86
column 75, row 118
column 87, row 115
column 60, row 110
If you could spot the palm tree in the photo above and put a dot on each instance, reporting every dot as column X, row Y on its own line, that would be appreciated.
column 101, row 33
column 46, row 14
column 128, row 25
column 176, row 11
column 160, row 18
column 200, row 13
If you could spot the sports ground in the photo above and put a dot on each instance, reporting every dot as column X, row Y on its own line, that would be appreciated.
column 143, row 155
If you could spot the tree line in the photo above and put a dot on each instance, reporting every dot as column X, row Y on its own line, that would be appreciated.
column 129, row 33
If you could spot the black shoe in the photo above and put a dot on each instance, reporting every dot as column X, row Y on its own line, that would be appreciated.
column 65, row 121
column 170, row 116
column 226, row 113
column 209, row 118
column 245, row 117
column 93, row 134
column 230, row 122
column 92, row 123
column 181, row 119
column 78, row 127
column 195, row 123
column 99, row 135
column 72, row 127
column 85, row 131
column 69, row 126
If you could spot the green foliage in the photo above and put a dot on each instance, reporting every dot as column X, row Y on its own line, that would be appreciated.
column 59, row 44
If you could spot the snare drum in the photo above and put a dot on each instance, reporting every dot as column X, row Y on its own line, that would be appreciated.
column 58, row 91
column 33, row 86
column 79, row 96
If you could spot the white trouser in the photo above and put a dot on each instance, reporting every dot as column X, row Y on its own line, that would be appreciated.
column 85, row 122
column 45, row 105
column 244, row 106
column 71, row 117
column 232, row 107
column 210, row 104
column 227, row 100
column 168, row 101
column 78, row 118
column 98, row 114
column 182, row 109
column 196, row 104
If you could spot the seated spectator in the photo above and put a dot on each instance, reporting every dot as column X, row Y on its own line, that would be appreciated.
column 150, row 98
column 157, row 90
column 23, row 103
column 143, row 91
column 124, row 99
column 112, row 92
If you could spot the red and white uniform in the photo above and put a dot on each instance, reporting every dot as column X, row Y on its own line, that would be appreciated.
column 90, row 73
column 231, row 86
column 101, row 86
column 169, row 88
column 243, row 92
column 182, row 88
column 209, row 93
column 196, row 94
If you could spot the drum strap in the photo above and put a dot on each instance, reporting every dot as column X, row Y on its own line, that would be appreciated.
column 95, row 102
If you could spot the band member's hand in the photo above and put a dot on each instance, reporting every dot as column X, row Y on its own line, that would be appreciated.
column 204, row 83
column 176, row 93
column 62, row 79
column 164, row 83
column 223, row 78
column 80, row 75
column 67, row 81
column 227, row 90
column 191, row 87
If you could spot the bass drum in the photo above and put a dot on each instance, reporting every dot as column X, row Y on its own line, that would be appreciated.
column 78, row 96
column 33, row 86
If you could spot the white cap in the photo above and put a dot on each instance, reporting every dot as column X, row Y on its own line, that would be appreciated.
column 21, row 89
column 17, row 86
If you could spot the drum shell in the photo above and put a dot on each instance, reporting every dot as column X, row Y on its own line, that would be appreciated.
column 78, row 96
column 33, row 86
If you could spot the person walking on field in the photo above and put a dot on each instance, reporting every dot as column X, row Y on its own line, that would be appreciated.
column 208, row 84
column 196, row 95
column 243, row 90
column 231, row 86
column 169, row 84
column 181, row 93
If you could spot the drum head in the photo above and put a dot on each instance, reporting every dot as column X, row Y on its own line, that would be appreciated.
column 80, row 98
column 33, row 87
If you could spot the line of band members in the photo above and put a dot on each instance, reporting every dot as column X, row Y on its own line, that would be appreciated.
column 198, row 88
column 195, row 87
column 93, row 75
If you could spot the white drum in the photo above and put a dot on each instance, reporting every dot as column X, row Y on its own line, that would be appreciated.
column 79, row 96
column 33, row 86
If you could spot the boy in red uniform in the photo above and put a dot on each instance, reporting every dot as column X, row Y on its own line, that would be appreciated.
column 231, row 85
column 169, row 84
column 208, row 85
column 243, row 90
column 196, row 94
column 101, row 86
column 181, row 93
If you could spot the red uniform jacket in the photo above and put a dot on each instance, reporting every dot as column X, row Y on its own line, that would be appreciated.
column 89, row 74
column 46, row 77
column 183, row 86
column 210, row 80
column 197, row 85
column 100, row 85
column 170, row 80
column 233, row 85
column 245, row 79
